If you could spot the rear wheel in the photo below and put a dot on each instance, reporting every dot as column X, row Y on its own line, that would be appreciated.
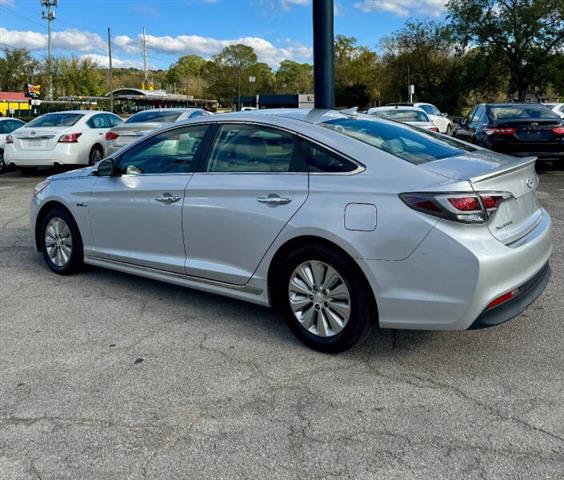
column 96, row 154
column 61, row 243
column 325, row 299
column 2, row 162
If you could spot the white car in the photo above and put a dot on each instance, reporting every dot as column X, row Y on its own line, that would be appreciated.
column 61, row 138
column 7, row 126
column 558, row 108
column 410, row 115
column 443, row 123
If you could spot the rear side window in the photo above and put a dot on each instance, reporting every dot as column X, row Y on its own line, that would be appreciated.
column 408, row 143
column 430, row 109
column 170, row 152
column 320, row 160
column 8, row 126
column 98, row 121
column 154, row 116
column 56, row 120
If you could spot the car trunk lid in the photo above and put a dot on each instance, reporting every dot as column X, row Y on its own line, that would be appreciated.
column 518, row 214
column 40, row 138
column 128, row 132
column 539, row 130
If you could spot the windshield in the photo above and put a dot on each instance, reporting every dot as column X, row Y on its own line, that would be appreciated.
column 403, row 115
column 56, row 120
column 408, row 143
column 522, row 112
column 154, row 116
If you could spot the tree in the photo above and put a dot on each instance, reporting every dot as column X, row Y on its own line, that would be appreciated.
column 187, row 75
column 294, row 77
column 17, row 68
column 523, row 34
column 357, row 73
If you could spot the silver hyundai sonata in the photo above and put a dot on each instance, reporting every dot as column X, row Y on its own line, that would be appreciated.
column 340, row 221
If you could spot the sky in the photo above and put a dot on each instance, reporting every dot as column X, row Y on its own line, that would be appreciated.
column 276, row 29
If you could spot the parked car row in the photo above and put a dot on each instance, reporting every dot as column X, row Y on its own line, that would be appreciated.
column 78, row 137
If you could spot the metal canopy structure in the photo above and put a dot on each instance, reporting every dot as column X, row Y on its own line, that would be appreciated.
column 323, row 53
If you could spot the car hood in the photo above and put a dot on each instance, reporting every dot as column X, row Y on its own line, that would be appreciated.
column 81, row 172
column 470, row 165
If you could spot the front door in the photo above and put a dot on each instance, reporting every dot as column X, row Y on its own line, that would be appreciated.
column 251, row 187
column 136, row 215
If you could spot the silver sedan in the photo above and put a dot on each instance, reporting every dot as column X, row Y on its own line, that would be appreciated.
column 340, row 221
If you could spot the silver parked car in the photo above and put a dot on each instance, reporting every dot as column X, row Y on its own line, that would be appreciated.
column 340, row 221
column 411, row 115
column 146, row 121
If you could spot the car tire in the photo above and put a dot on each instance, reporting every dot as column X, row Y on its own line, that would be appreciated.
column 96, row 154
column 323, row 325
column 2, row 162
column 59, row 232
column 449, row 130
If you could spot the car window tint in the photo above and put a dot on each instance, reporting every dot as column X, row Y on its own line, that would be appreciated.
column 56, row 120
column 249, row 148
column 197, row 113
column 318, row 159
column 98, row 121
column 403, row 115
column 522, row 112
column 173, row 151
column 113, row 120
column 477, row 114
column 430, row 109
column 408, row 143
column 160, row 116
column 6, row 126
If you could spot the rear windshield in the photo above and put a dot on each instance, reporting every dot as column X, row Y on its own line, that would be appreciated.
column 409, row 143
column 56, row 120
column 154, row 116
column 403, row 115
column 522, row 112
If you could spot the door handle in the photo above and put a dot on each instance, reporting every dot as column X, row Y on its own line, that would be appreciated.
column 274, row 200
column 167, row 198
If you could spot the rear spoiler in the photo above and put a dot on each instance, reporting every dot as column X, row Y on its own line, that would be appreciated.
column 518, row 165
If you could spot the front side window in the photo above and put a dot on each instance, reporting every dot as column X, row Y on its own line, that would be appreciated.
column 173, row 151
column 56, row 120
column 408, row 143
column 249, row 148
column 319, row 160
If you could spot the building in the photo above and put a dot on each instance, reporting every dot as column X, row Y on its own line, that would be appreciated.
column 294, row 100
column 131, row 100
column 13, row 103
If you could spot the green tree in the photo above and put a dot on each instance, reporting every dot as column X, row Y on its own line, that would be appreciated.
column 17, row 68
column 294, row 77
column 523, row 34
column 187, row 75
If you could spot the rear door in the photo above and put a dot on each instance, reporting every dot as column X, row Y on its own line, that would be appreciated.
column 250, row 187
column 136, row 216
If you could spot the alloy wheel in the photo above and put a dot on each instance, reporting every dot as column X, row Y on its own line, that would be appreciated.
column 319, row 298
column 58, row 242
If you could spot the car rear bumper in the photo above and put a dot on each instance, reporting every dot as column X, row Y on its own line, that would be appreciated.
column 449, row 281
column 528, row 293
column 60, row 155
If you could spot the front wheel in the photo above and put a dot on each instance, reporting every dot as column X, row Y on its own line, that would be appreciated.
column 61, row 243
column 449, row 130
column 325, row 299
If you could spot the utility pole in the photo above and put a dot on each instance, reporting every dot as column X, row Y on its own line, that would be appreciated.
column 48, row 13
column 110, row 80
column 323, row 53
column 146, row 75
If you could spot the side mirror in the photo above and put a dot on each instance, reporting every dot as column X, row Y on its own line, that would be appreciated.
column 106, row 168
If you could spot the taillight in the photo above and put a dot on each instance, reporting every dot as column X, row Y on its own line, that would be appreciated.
column 558, row 130
column 9, row 139
column 503, row 298
column 433, row 129
column 499, row 131
column 459, row 207
column 111, row 136
column 69, row 138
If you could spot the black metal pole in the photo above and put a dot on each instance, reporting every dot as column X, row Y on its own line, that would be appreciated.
column 323, row 54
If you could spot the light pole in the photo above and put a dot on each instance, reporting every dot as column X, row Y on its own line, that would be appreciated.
column 48, row 13
column 253, row 79
column 323, row 54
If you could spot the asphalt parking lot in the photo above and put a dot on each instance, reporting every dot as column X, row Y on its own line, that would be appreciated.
column 109, row 376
